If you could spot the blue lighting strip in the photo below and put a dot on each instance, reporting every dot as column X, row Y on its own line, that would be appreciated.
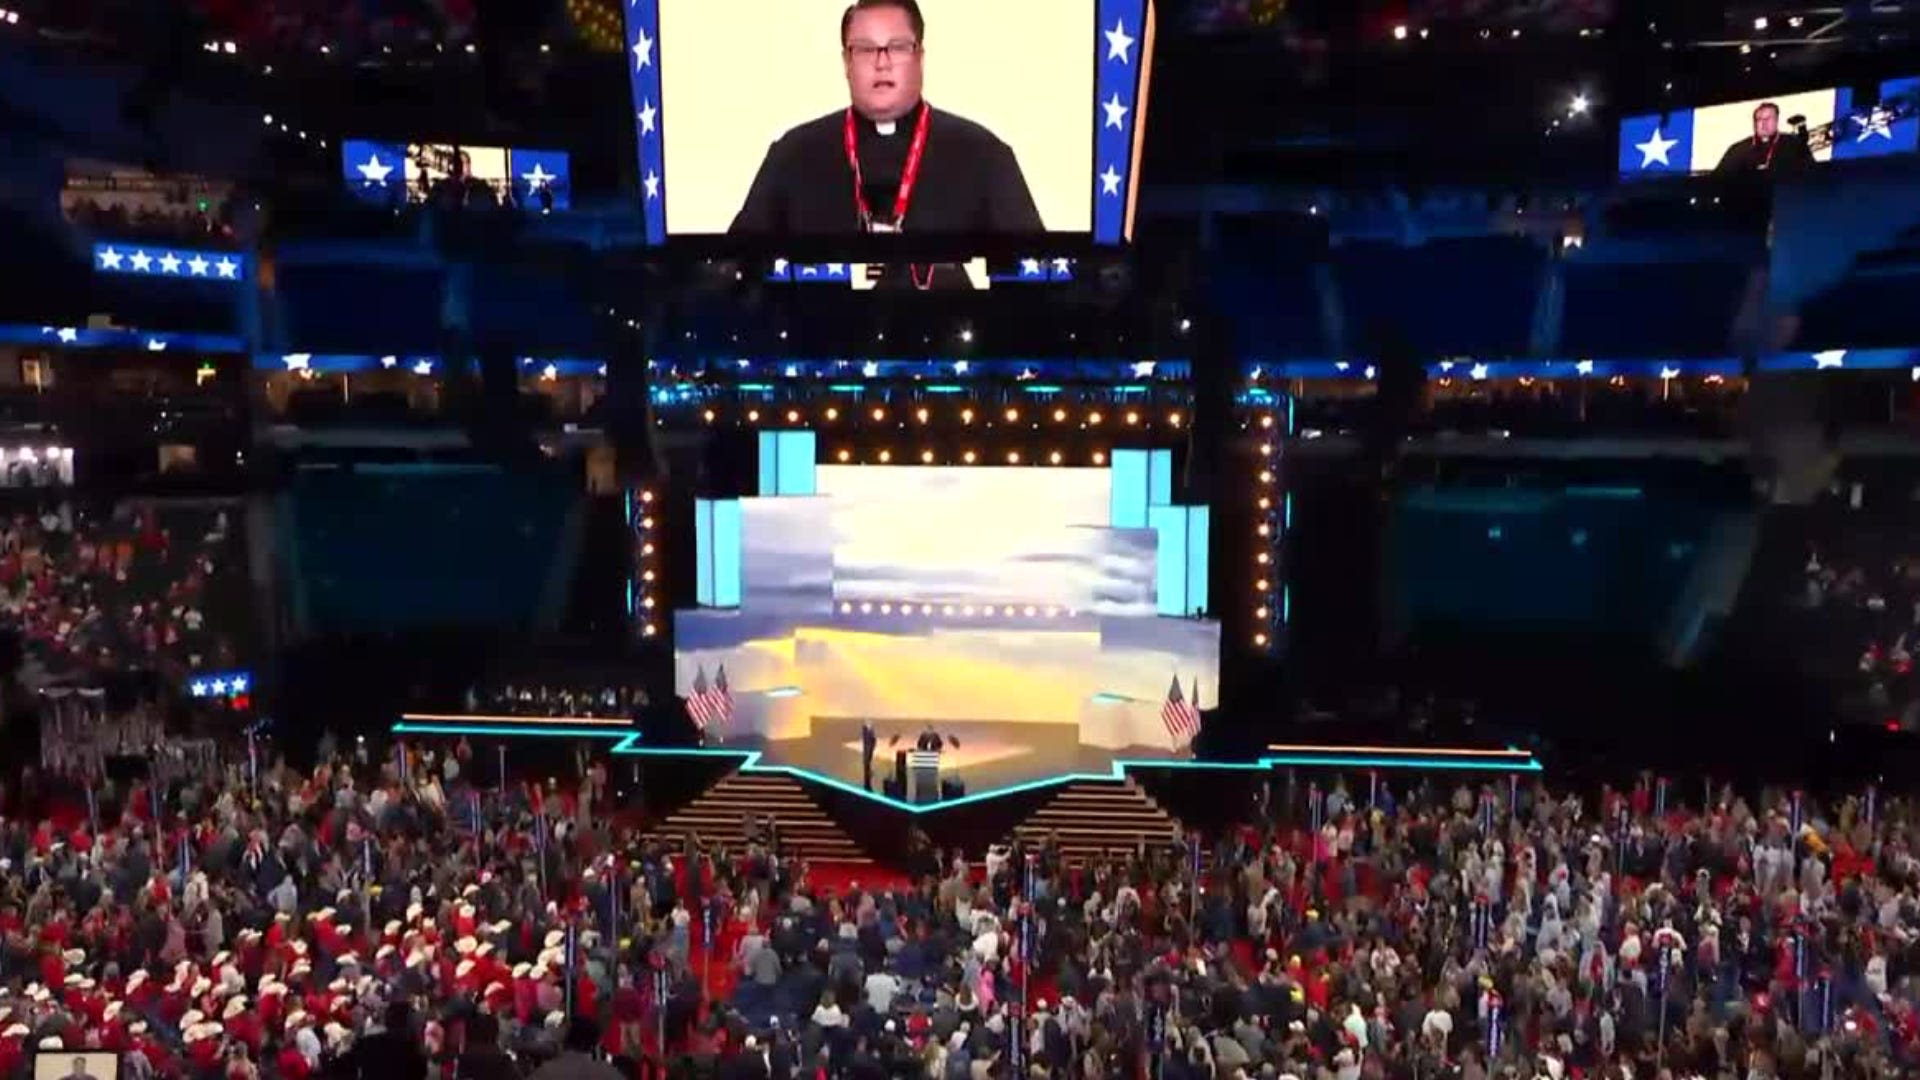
column 1471, row 368
column 847, row 370
column 162, row 261
column 1843, row 360
column 751, row 761
column 1121, row 39
column 649, row 115
column 338, row 364
column 562, row 367
column 1035, row 272
column 87, row 337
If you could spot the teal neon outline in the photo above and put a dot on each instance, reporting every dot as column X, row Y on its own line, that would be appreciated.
column 628, row 744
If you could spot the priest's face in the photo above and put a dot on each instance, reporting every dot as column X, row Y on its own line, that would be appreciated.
column 884, row 63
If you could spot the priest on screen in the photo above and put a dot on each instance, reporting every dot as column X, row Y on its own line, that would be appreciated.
column 889, row 162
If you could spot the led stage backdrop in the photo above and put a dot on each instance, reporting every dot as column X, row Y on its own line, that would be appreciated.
column 940, row 594
column 741, row 107
column 1738, row 137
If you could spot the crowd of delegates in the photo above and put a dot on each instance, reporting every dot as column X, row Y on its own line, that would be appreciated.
column 134, row 585
column 600, row 700
column 1860, row 594
column 183, row 221
column 378, row 916
column 343, row 27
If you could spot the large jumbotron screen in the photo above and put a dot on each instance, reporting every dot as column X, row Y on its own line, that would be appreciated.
column 1041, row 616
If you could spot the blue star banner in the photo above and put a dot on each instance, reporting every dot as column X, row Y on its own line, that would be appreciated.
column 1881, row 129
column 1657, row 145
column 649, row 131
column 221, row 684
column 183, row 264
column 1121, row 35
column 87, row 337
column 374, row 172
column 534, row 172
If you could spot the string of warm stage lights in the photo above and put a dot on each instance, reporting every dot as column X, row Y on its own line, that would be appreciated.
column 966, row 415
column 646, row 590
column 1270, row 522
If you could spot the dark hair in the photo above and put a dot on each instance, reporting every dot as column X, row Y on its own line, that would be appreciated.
column 1764, row 106
column 911, row 7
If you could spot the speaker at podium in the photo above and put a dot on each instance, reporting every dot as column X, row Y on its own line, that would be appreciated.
column 923, row 774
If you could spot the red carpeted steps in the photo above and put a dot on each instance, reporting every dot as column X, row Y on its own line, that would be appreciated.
column 1094, row 817
column 719, row 816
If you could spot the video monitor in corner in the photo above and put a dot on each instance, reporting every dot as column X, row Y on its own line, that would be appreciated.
column 772, row 120
column 75, row 1065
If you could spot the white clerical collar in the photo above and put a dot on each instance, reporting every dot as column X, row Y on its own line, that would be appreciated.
column 886, row 127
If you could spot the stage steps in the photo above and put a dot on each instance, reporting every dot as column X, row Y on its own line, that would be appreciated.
column 719, row 816
column 1090, row 818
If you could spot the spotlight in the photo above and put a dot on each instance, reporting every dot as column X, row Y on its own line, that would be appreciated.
column 886, row 456
column 846, row 455
column 1266, row 477
column 646, row 496
column 1260, row 613
column 793, row 416
column 920, row 415
column 1059, row 415
column 1760, row 23
column 1266, row 421
column 707, row 416
column 926, row 609
column 646, row 549
column 1266, row 504
column 1186, row 325
column 646, row 523
column 1260, row 640
column 966, row 336
column 866, row 609
column 1579, row 105
column 1260, row 586
column 967, row 457
column 1261, row 558
column 946, row 609
column 879, row 415
column 1262, row 530
column 1099, row 458
column 753, row 416
column 1013, row 415
column 1174, row 419
column 1013, row 457
column 1053, row 458
column 833, row 414
column 1133, row 418
column 845, row 607
column 926, row 457
column 648, row 576
column 1029, row 611
column 966, row 416
column 886, row 609
column 1093, row 418
column 1400, row 32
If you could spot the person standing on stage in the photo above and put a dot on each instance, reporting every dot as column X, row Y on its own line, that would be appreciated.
column 869, row 738
column 930, row 740
column 889, row 161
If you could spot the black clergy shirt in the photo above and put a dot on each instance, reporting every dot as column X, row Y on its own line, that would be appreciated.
column 970, row 181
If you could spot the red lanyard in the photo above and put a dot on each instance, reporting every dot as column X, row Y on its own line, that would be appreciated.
column 1772, row 145
column 908, row 175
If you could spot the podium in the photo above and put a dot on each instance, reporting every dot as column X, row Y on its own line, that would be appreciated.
column 923, row 776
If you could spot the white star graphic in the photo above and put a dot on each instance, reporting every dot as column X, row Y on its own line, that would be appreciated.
column 219, row 687
column 1478, row 371
column 238, row 684
column 960, row 367
column 809, row 270
column 538, row 178
column 653, row 184
column 1655, row 150
column 1143, row 369
column 645, row 116
column 169, row 263
column 199, row 689
column 1030, row 267
column 1878, row 121
column 870, row 369
column 156, row 345
column 374, row 171
column 1116, row 113
column 423, row 367
column 1062, row 266
column 389, row 362
column 198, row 264
column 1583, row 367
column 779, row 266
column 1669, row 373
column 1831, row 358
column 1110, row 182
column 299, row 361
column 1119, row 45
column 1341, row 366
column 836, row 269
column 550, row 372
column 228, row 268
column 140, row 261
column 109, row 259
column 642, row 50
column 68, row 335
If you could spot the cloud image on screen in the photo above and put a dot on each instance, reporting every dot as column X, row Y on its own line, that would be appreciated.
column 951, row 594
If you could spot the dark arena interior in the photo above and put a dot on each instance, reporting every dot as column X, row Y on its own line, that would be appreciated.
column 980, row 540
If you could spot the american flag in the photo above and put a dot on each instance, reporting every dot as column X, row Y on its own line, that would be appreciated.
column 710, row 704
column 1180, row 715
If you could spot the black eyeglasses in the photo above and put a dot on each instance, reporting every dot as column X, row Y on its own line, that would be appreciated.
column 897, row 51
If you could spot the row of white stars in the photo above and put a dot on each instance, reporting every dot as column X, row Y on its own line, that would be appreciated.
column 1656, row 150
column 237, row 684
column 142, row 263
